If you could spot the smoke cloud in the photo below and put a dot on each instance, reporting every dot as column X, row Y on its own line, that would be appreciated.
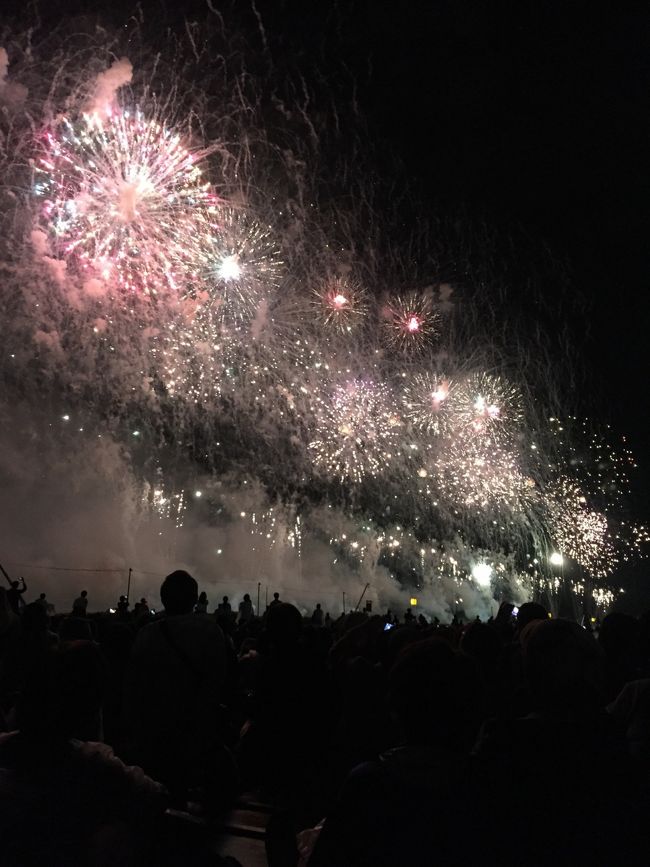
column 108, row 83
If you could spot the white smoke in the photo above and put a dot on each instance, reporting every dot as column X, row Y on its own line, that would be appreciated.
column 108, row 83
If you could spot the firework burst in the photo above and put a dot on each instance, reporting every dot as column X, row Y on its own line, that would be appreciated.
column 123, row 199
column 428, row 402
column 239, row 265
column 341, row 304
column 578, row 531
column 489, row 406
column 477, row 474
column 411, row 322
column 357, row 431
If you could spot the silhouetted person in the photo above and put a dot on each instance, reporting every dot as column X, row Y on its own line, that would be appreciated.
column 201, row 606
column 174, row 691
column 317, row 616
column 565, row 762
column 409, row 617
column 276, row 600
column 123, row 607
column 140, row 608
column 224, row 607
column 409, row 807
column 42, row 601
column 80, row 605
column 66, row 800
column 15, row 595
column 245, row 609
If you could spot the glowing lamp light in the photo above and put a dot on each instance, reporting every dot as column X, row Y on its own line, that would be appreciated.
column 229, row 269
column 556, row 558
column 482, row 573
column 413, row 601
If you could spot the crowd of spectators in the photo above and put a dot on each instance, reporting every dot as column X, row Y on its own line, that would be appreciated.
column 125, row 738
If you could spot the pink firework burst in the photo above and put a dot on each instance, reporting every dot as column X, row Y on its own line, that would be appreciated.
column 411, row 322
column 123, row 200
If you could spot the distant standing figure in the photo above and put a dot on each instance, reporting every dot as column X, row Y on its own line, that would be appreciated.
column 201, row 606
column 246, row 609
column 140, row 608
column 15, row 595
column 276, row 600
column 224, row 607
column 42, row 601
column 317, row 616
column 80, row 605
column 123, row 607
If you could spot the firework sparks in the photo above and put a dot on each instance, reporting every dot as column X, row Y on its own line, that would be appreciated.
column 341, row 304
column 489, row 406
column 357, row 431
column 579, row 531
column 239, row 265
column 428, row 402
column 476, row 474
column 123, row 200
column 411, row 322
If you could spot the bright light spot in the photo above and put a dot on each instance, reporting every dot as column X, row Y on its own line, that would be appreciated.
column 556, row 559
column 136, row 433
column 229, row 269
column 65, row 417
column 413, row 324
column 482, row 573
column 413, row 601
column 198, row 493
column 219, row 550
column 422, row 473
column 340, row 300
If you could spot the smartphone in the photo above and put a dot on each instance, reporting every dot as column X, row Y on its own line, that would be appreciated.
column 388, row 626
column 515, row 611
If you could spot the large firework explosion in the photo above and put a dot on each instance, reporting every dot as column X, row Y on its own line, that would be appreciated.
column 182, row 280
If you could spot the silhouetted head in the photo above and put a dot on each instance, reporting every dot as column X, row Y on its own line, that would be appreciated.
column 482, row 643
column 42, row 596
column 275, row 595
column 84, row 593
column 225, row 598
column 179, row 593
column 318, row 606
column 34, row 618
column 283, row 625
column 246, row 597
column 564, row 666
column 528, row 612
column 436, row 694
column 122, row 598
column 203, row 596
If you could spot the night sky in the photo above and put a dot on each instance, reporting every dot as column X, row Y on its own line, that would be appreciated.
column 527, row 114
column 532, row 115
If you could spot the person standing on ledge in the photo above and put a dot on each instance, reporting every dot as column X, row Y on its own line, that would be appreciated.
column 80, row 605
column 15, row 595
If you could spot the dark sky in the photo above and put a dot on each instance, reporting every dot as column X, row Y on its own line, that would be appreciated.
column 533, row 113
